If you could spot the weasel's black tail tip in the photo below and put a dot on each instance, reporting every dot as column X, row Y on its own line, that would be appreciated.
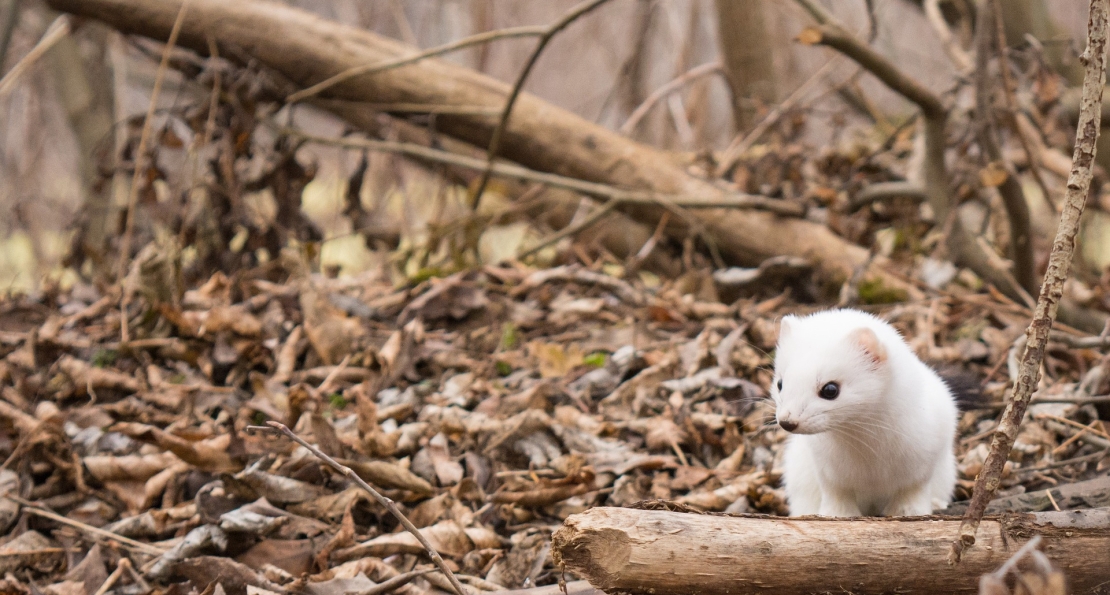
column 965, row 385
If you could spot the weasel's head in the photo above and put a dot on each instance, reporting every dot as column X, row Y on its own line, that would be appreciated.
column 830, row 369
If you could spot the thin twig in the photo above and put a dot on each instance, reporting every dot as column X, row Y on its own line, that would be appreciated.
column 832, row 33
column 570, row 230
column 508, row 170
column 54, row 33
column 350, row 73
column 956, row 54
column 121, row 567
column 382, row 500
column 670, row 87
column 140, row 165
column 1075, row 199
column 495, row 139
column 1095, row 456
column 1009, row 190
column 1025, row 550
column 36, row 509
column 741, row 144
column 884, row 191
column 396, row 582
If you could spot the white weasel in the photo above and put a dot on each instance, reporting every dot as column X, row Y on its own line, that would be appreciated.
column 872, row 425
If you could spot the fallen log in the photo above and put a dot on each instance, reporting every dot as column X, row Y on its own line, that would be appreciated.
column 675, row 553
column 307, row 50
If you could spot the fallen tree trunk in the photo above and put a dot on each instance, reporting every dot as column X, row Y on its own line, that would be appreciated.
column 308, row 49
column 674, row 553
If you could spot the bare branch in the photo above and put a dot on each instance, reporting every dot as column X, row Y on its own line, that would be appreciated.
column 956, row 54
column 838, row 38
column 1011, row 105
column 54, row 33
column 1013, row 197
column 885, row 191
column 741, row 144
column 508, row 170
column 38, row 510
column 350, row 73
column 964, row 248
column 670, row 87
column 1059, row 265
column 495, row 140
column 385, row 502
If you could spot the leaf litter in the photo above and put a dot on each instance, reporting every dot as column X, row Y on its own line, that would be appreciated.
column 488, row 405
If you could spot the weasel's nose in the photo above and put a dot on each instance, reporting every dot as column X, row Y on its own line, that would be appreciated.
column 789, row 426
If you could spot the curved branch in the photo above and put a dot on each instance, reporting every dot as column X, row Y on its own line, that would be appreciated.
column 670, row 87
column 1013, row 197
column 885, row 191
column 838, row 38
column 604, row 191
column 956, row 54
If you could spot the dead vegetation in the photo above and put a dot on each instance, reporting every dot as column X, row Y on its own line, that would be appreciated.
column 585, row 321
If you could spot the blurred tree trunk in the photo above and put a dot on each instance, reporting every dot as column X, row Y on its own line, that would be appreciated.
column 747, row 50
column 85, row 84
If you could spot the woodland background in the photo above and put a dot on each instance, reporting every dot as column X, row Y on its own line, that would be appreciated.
column 593, row 337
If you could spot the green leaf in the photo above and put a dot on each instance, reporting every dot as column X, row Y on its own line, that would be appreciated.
column 509, row 336
column 596, row 359
column 104, row 358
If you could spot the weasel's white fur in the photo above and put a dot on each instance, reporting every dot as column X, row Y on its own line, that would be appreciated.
column 884, row 445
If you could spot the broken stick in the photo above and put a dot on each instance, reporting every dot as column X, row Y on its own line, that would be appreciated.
column 1052, row 289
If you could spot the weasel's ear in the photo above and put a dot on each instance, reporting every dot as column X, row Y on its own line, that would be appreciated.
column 868, row 342
column 785, row 325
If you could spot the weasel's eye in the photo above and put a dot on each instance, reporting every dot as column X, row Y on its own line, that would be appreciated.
column 830, row 391
column 780, row 384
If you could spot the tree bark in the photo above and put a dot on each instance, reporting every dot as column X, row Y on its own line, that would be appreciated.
column 671, row 553
column 307, row 49
column 747, row 49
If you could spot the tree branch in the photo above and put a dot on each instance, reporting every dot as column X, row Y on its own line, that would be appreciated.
column 382, row 500
column 495, row 140
column 668, row 88
column 1013, row 197
column 350, row 73
column 830, row 32
column 54, row 33
column 508, row 170
column 964, row 249
column 1059, row 265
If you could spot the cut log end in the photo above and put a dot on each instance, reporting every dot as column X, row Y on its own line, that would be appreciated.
column 600, row 553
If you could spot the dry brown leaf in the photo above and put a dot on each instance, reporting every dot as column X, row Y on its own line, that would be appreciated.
column 31, row 550
column 207, row 455
column 388, row 474
column 447, row 538
column 128, row 467
column 293, row 556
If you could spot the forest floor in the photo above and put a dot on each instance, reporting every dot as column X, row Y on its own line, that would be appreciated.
column 489, row 404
